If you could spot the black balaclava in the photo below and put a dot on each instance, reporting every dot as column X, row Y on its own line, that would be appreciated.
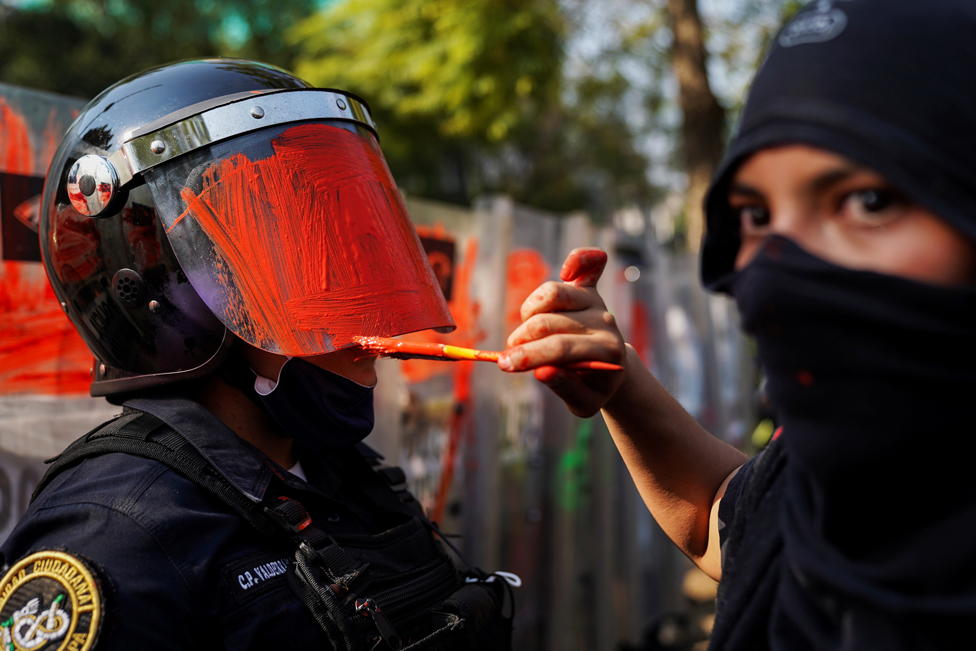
column 872, row 376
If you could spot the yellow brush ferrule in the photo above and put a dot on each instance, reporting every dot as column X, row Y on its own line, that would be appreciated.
column 455, row 352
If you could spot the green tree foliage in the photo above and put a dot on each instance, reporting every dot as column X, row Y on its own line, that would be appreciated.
column 582, row 153
column 481, row 66
column 80, row 47
column 470, row 97
column 736, row 35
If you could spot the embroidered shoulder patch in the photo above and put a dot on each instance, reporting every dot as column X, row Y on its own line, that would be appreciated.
column 49, row 601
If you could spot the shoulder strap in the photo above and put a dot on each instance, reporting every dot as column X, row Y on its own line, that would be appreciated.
column 143, row 435
column 277, row 517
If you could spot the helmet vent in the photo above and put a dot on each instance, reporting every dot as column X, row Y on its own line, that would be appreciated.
column 129, row 287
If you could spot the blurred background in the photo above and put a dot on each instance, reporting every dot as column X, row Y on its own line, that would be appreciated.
column 517, row 130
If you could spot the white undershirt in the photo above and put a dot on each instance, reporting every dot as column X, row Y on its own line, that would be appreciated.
column 297, row 471
column 263, row 385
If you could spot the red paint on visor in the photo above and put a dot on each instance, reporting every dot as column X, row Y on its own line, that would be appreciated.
column 316, row 244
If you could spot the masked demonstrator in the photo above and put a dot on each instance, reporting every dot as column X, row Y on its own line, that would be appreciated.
column 217, row 231
column 843, row 222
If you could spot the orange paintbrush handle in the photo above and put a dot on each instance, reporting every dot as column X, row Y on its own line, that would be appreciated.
column 412, row 349
column 593, row 366
column 456, row 352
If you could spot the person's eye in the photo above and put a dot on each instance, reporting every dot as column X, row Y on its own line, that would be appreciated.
column 872, row 207
column 875, row 200
column 753, row 218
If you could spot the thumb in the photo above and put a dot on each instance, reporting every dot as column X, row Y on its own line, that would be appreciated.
column 583, row 267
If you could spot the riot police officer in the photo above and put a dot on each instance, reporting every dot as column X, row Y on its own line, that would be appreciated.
column 217, row 231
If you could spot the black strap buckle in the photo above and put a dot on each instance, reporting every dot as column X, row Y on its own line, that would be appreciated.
column 289, row 514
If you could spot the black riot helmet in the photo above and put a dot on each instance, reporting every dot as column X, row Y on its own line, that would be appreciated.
column 208, row 200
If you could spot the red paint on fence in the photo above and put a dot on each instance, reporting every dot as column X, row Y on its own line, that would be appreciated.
column 16, row 154
column 317, row 241
column 51, row 138
column 465, row 312
column 468, row 334
column 526, row 270
column 40, row 352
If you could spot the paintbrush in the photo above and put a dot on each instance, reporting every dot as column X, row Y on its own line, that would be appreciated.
column 398, row 349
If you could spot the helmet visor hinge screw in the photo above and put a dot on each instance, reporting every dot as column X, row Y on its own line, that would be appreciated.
column 87, row 185
column 92, row 185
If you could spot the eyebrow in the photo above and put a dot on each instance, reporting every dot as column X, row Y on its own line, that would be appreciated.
column 820, row 183
column 835, row 176
column 742, row 188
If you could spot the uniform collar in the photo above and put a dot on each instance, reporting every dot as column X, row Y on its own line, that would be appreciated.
column 238, row 461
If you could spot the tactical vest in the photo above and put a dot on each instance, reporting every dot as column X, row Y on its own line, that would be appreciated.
column 348, row 583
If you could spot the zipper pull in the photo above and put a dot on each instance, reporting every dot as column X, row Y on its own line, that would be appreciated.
column 382, row 623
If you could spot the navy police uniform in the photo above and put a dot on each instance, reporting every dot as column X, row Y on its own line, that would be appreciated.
column 175, row 568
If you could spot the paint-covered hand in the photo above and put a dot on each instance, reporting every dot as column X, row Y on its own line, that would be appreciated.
column 566, row 322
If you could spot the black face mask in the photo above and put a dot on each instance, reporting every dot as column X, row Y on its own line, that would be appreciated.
column 319, row 409
column 868, row 374
column 873, row 377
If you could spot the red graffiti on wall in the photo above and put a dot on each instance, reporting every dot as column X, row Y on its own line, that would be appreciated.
column 40, row 352
column 53, row 132
column 465, row 311
column 16, row 154
column 526, row 270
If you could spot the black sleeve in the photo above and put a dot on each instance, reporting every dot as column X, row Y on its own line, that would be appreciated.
column 147, row 602
column 727, row 507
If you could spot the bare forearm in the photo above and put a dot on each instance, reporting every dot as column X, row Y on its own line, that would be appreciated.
column 678, row 466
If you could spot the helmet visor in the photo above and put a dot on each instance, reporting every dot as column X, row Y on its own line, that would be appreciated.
column 297, row 238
